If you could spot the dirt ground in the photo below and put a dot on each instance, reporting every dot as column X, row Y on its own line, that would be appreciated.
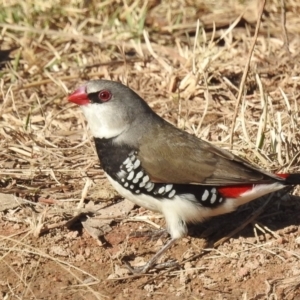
column 64, row 232
column 260, row 262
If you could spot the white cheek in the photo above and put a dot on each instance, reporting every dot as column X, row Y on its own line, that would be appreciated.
column 103, row 120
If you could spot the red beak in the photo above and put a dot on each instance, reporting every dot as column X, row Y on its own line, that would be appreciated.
column 79, row 96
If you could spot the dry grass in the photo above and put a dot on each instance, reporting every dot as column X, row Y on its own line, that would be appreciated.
column 188, row 71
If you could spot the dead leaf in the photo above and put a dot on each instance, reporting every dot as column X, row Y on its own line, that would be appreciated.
column 8, row 201
column 100, row 224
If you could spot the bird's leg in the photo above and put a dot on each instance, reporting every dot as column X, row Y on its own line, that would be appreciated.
column 152, row 261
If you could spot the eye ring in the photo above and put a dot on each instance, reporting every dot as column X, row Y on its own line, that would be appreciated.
column 104, row 95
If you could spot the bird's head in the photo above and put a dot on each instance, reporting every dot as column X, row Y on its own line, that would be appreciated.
column 110, row 108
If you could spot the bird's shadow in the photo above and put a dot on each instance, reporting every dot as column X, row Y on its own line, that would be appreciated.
column 281, row 212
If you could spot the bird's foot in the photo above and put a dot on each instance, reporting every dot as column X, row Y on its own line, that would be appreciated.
column 145, row 268
column 152, row 262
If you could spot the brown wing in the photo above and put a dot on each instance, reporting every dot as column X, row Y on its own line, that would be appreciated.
column 182, row 158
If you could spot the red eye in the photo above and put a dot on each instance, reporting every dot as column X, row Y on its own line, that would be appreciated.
column 104, row 95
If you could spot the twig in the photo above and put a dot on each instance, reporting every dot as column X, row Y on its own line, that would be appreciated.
column 245, row 73
column 283, row 24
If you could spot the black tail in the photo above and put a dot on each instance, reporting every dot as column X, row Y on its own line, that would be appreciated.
column 291, row 179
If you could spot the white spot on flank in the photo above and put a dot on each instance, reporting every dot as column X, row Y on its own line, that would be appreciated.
column 220, row 200
column 172, row 193
column 122, row 173
column 213, row 190
column 129, row 165
column 130, row 176
column 139, row 175
column 205, row 195
column 161, row 190
column 146, row 179
column 137, row 191
column 126, row 184
column 123, row 180
column 136, row 164
column 132, row 186
column 132, row 158
column 149, row 186
column 135, row 180
column 213, row 198
column 129, row 169
column 142, row 184
column 168, row 187
column 127, row 160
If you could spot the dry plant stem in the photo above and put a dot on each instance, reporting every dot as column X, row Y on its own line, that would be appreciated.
column 270, row 251
column 259, row 211
column 283, row 24
column 142, row 219
column 53, row 226
column 157, row 276
column 131, row 277
column 241, row 89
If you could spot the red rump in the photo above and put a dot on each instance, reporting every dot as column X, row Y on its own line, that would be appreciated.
column 234, row 191
column 283, row 175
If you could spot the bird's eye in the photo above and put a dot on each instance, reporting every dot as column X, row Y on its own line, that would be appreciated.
column 104, row 95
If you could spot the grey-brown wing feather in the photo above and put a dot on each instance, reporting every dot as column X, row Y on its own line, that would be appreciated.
column 182, row 158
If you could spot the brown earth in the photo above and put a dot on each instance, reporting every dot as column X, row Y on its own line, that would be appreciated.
column 262, row 260
column 64, row 233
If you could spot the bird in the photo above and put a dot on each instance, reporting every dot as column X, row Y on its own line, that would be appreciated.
column 4, row 56
column 165, row 169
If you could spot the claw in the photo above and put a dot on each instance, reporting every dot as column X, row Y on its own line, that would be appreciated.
column 151, row 263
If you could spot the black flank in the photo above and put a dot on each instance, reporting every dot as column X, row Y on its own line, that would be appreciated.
column 111, row 156
column 112, row 159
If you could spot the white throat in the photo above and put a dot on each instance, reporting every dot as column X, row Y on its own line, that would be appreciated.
column 103, row 121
